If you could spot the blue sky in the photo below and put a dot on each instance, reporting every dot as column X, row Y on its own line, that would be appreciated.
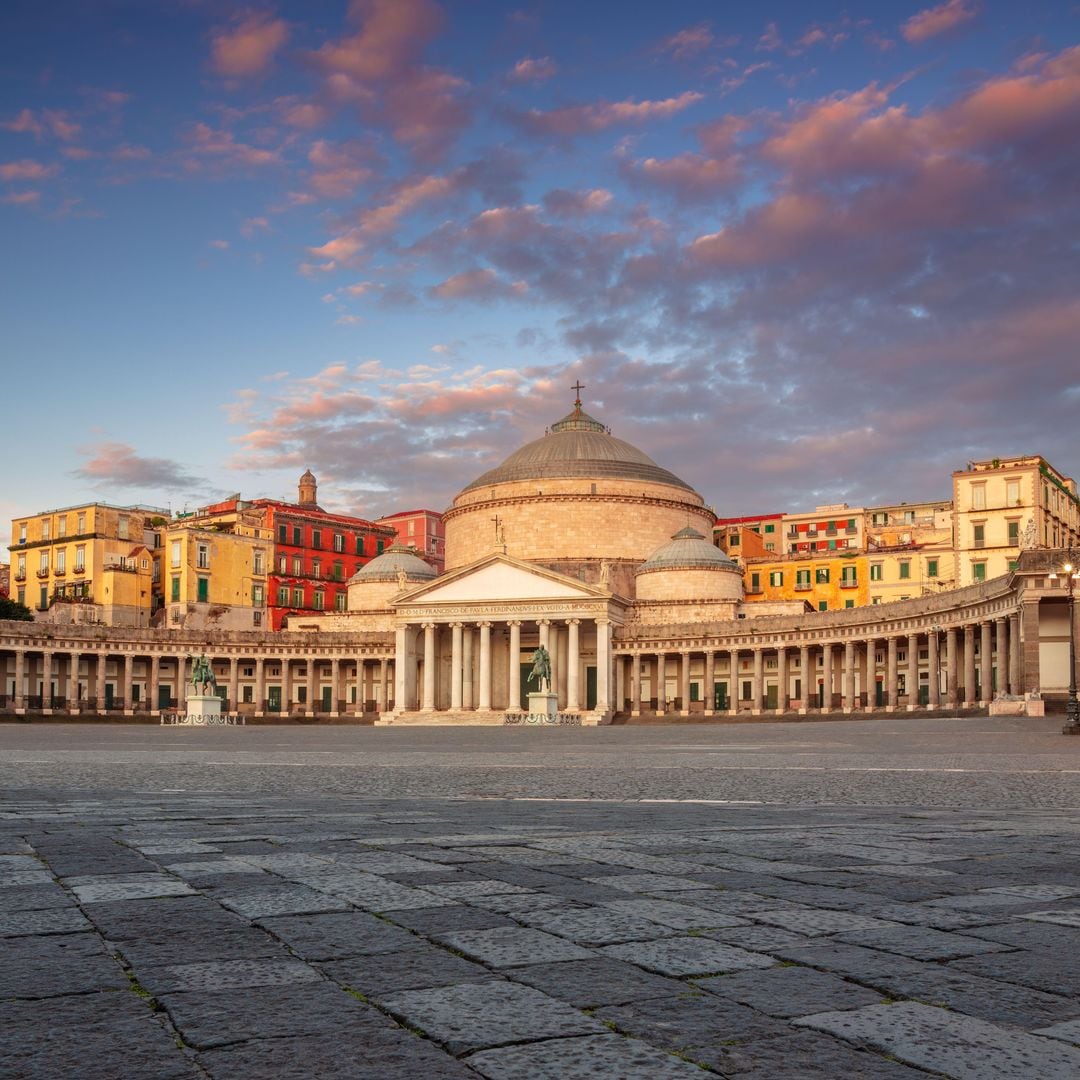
column 798, row 253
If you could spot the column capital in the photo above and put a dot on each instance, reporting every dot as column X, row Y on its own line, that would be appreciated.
column 485, row 624
column 513, row 622
column 543, row 622
column 573, row 622
column 456, row 625
column 428, row 625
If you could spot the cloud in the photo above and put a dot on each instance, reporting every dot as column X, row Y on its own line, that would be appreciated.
column 559, row 202
column 220, row 245
column 116, row 464
column 53, row 122
column 222, row 148
column 574, row 120
column 254, row 225
column 26, row 169
column 248, row 47
column 392, row 37
column 533, row 70
column 478, row 285
column 930, row 22
column 21, row 198
column 688, row 42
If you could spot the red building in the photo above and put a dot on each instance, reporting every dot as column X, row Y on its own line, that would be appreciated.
column 423, row 530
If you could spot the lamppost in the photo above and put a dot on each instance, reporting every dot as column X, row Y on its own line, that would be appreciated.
column 1071, row 570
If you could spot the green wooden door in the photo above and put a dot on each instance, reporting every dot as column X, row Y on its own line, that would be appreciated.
column 590, row 688
column 720, row 696
column 772, row 696
column 164, row 696
column 273, row 699
column 524, row 687
column 327, row 699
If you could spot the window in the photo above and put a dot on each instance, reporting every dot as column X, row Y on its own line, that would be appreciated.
column 22, row 532
column 46, row 529
column 978, row 536
column 770, row 547
column 849, row 603
column 875, row 571
column 823, row 605
column 339, row 601
column 821, row 576
column 359, row 545
column 43, row 598
column 61, row 561
column 257, row 595
column 257, row 563
column 202, row 559
column 174, row 557
column 776, row 578
column 319, row 600
column 875, row 599
column 338, row 570
column 283, row 534
column 802, row 579
column 905, row 569
column 316, row 568
column 156, row 573
column 256, row 620
column 80, row 526
column 80, row 558
column 770, row 528
column 283, row 564
column 203, row 590
column 43, row 563
column 122, row 523
column 378, row 547
column 297, row 536
column 978, row 571
column 879, row 518
column 174, row 589
column 316, row 538
column 298, row 597
column 20, row 566
column 297, row 566
column 412, row 527
column 931, row 568
column 909, row 517
column 733, row 540
column 339, row 541
column 1012, row 492
column 1014, row 533
column 283, row 595
column 848, row 576
column 1014, row 564
column 755, row 583
column 978, row 496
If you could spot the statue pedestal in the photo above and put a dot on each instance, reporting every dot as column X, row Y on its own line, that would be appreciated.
column 543, row 703
column 202, row 707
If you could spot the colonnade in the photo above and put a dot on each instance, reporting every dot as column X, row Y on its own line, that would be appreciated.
column 961, row 665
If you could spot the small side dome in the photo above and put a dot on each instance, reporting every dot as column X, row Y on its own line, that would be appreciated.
column 687, row 550
column 386, row 567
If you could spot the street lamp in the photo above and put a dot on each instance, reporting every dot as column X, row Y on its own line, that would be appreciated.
column 1071, row 570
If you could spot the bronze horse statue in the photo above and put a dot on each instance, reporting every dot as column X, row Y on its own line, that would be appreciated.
column 541, row 669
column 202, row 676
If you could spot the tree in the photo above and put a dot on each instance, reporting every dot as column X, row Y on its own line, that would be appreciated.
column 12, row 609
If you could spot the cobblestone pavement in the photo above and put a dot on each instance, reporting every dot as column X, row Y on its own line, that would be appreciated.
column 253, row 925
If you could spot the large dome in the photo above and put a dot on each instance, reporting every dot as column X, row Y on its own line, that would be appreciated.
column 578, row 446
column 687, row 550
column 386, row 566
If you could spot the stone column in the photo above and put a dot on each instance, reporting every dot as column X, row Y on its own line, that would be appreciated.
column 934, row 652
column 804, row 678
column 468, row 697
column 781, row 678
column 827, row 676
column 892, row 680
column 513, row 674
column 733, row 682
column 401, row 666
column 553, row 650
column 661, row 683
column 849, row 676
column 428, row 702
column 181, row 684
column 234, row 684
column 952, row 668
column 99, row 691
column 603, row 665
column 362, row 677
column 335, row 688
column 913, row 672
column 545, row 635
column 46, row 681
column 1001, row 653
column 684, row 682
column 20, row 675
column 455, row 666
column 286, row 685
column 260, row 686
column 635, row 684
column 1014, row 653
column 757, row 686
column 73, row 682
column 620, row 682
column 986, row 664
column 709, row 693
column 154, row 684
column 129, row 682
column 312, row 685
column 484, row 703
column 573, row 665
column 380, row 686
column 969, row 664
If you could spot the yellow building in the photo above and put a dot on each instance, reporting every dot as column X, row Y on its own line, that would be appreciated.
column 212, row 578
column 909, row 546
column 827, row 582
column 1003, row 505
column 88, row 563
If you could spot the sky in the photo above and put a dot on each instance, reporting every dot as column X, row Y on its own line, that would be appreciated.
column 797, row 252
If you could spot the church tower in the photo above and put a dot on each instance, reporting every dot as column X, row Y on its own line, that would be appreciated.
column 308, row 489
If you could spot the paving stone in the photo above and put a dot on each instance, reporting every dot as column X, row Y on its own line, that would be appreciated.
column 511, row 903
column 1069, row 1032
column 472, row 1016
column 678, row 916
column 282, row 900
column 814, row 921
column 510, row 947
column 789, row 991
column 207, row 1018
column 418, row 968
column 242, row 944
column 209, row 868
column 389, row 1055
column 1029, row 935
column 935, row 917
column 34, row 897
column 464, row 890
column 451, row 917
column 339, row 934
column 144, row 886
column 1036, row 891
column 593, row 1057
column 1070, row 917
column 378, row 894
column 804, row 1055
column 594, row 926
column 766, row 939
column 600, row 980
column 646, row 883
column 853, row 961
column 962, row 1047
column 687, row 956
column 40, row 876
column 1056, row 973
column 44, row 966
column 731, row 902
column 187, row 916
column 209, row 975
column 84, row 1036
column 985, row 901
column 921, row 943
column 49, row 921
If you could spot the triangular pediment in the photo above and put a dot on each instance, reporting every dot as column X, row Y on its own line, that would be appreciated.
column 497, row 578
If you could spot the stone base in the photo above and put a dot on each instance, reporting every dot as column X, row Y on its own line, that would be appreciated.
column 542, row 703
column 1024, row 707
column 472, row 718
column 201, row 706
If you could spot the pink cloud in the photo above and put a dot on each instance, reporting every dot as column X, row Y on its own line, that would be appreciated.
column 585, row 119
column 533, row 70
column 248, row 47
column 221, row 145
column 26, row 169
column 303, row 114
column 21, row 198
column 338, row 169
column 930, row 22
column 770, row 40
column 687, row 176
column 116, row 464
column 393, row 35
column 478, row 285
column 55, row 122
column 253, row 226
column 25, row 122
column 688, row 42
column 562, row 203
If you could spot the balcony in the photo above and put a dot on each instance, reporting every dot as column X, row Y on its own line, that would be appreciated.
column 60, row 572
column 803, row 586
column 20, row 575
column 79, row 568
column 849, row 583
column 43, row 573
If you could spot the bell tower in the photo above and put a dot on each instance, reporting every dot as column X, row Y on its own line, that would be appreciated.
column 308, row 489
